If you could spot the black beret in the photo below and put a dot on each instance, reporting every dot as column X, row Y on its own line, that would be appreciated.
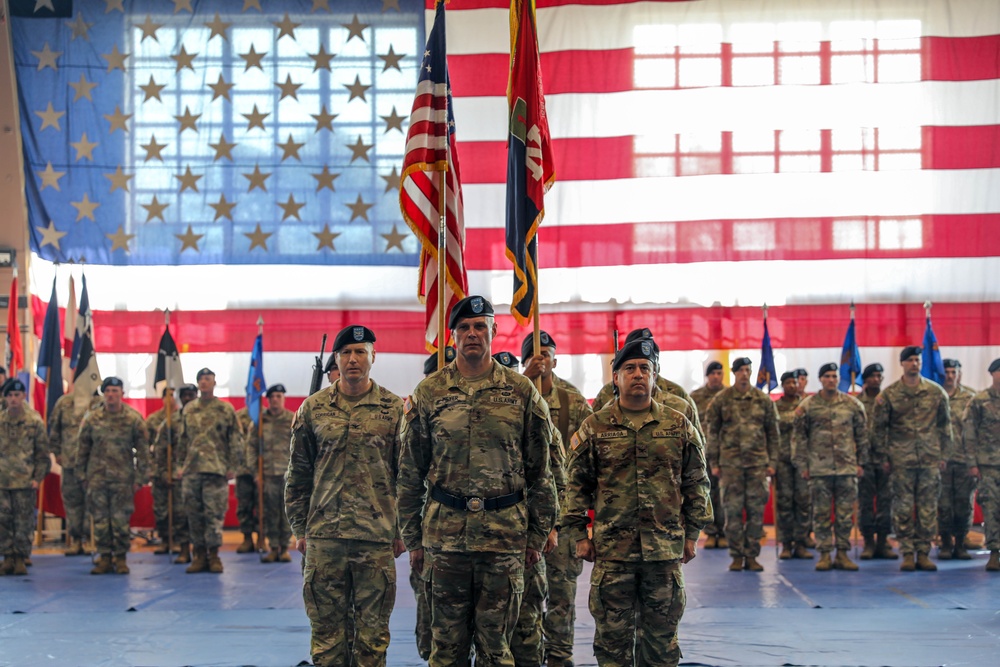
column 188, row 387
column 431, row 364
column 712, row 367
column 826, row 368
column 205, row 371
column 470, row 306
column 352, row 334
column 331, row 363
column 951, row 363
column 111, row 381
column 640, row 348
column 910, row 351
column 787, row 375
column 276, row 388
column 740, row 362
column 12, row 385
column 801, row 373
column 638, row 334
column 528, row 344
column 870, row 369
column 995, row 366
column 506, row 359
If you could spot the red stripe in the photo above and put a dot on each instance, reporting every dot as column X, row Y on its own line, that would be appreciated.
column 962, row 147
column 459, row 5
column 961, row 58
column 599, row 158
column 693, row 328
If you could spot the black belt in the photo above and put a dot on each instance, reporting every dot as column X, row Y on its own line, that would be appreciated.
column 475, row 503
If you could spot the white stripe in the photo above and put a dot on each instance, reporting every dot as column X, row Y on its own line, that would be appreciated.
column 614, row 26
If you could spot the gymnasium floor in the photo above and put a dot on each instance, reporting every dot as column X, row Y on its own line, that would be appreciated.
column 252, row 614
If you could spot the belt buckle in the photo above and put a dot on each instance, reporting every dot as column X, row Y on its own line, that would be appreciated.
column 474, row 504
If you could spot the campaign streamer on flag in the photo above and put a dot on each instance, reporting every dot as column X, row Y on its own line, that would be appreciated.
column 255, row 380
column 850, row 359
column 50, row 355
column 87, row 377
column 932, row 365
column 168, row 364
column 530, row 170
column 430, row 150
column 766, row 374
column 14, row 358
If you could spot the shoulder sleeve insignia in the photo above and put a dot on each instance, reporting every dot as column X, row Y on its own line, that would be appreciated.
column 407, row 405
column 799, row 411
column 879, row 400
column 574, row 442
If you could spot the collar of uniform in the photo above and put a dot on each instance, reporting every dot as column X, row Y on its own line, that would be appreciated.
column 370, row 397
column 618, row 416
column 742, row 395
column 992, row 392
column 457, row 381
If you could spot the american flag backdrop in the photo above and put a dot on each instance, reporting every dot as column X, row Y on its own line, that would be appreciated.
column 713, row 156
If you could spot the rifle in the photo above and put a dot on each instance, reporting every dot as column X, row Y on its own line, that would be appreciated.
column 317, row 377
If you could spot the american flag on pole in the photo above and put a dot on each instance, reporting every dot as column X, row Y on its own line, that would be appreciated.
column 430, row 149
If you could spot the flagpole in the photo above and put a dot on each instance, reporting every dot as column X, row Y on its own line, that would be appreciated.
column 853, row 375
column 168, row 404
column 260, row 450
column 442, row 276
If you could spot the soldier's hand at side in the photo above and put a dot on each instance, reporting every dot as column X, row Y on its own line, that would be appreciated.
column 974, row 472
column 230, row 475
column 300, row 545
column 770, row 471
column 59, row 459
column 417, row 560
column 531, row 558
column 690, row 550
column 861, row 472
column 551, row 542
column 805, row 474
column 887, row 466
column 942, row 465
column 397, row 548
column 533, row 367
column 34, row 484
column 717, row 472
column 585, row 550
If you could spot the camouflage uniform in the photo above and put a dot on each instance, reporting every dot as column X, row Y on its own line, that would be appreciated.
column 874, row 490
column 247, row 502
column 649, row 490
column 981, row 428
column 702, row 397
column 158, row 485
column 210, row 446
column 24, row 459
column 113, row 458
column 484, row 438
column 277, row 432
column 830, row 441
column 607, row 393
column 161, row 483
column 792, row 498
column 957, row 487
column 64, row 440
column 912, row 431
column 743, row 441
column 340, row 495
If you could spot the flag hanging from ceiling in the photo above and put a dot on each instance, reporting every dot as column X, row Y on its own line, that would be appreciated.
column 530, row 170
column 432, row 159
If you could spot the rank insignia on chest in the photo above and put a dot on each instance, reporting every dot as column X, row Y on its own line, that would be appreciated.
column 609, row 435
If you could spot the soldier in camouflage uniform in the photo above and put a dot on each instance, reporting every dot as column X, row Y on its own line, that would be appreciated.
column 912, row 438
column 165, row 481
column 113, row 461
column 955, row 506
column 792, row 498
column 158, row 485
column 24, row 463
column 64, row 434
column 743, row 444
column 557, row 573
column 641, row 469
column 715, row 535
column 331, row 370
column 479, row 435
column 874, row 491
column 981, row 429
column 802, row 377
column 210, row 448
column 340, row 497
column 607, row 393
column 277, row 428
column 830, row 442
column 246, row 488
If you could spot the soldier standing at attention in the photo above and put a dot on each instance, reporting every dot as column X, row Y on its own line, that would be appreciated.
column 276, row 423
column 607, row 392
column 64, row 441
column 793, row 501
column 831, row 445
column 479, row 435
column 506, row 359
column 162, row 478
column 874, row 493
column 957, row 484
column 715, row 535
column 113, row 462
column 982, row 433
column 561, row 566
column 331, row 370
column 246, row 488
column 743, row 452
column 802, row 377
column 158, row 485
column 24, row 463
column 912, row 439
column 340, row 497
column 641, row 468
column 210, row 447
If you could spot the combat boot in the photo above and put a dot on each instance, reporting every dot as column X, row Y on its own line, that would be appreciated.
column 993, row 565
column 270, row 557
column 710, row 542
column 20, row 567
column 721, row 542
column 809, row 542
column 184, row 555
column 752, row 565
column 801, row 552
column 824, row 563
column 907, row 565
column 945, row 548
column 199, row 563
column 164, row 548
column 786, row 551
column 103, row 565
column 284, row 556
column 246, row 546
column 842, row 562
column 8, row 565
column 121, row 567
column 924, row 563
column 214, row 562
column 737, row 564
column 961, row 553
column 869, row 551
column 74, row 547
column 883, row 549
